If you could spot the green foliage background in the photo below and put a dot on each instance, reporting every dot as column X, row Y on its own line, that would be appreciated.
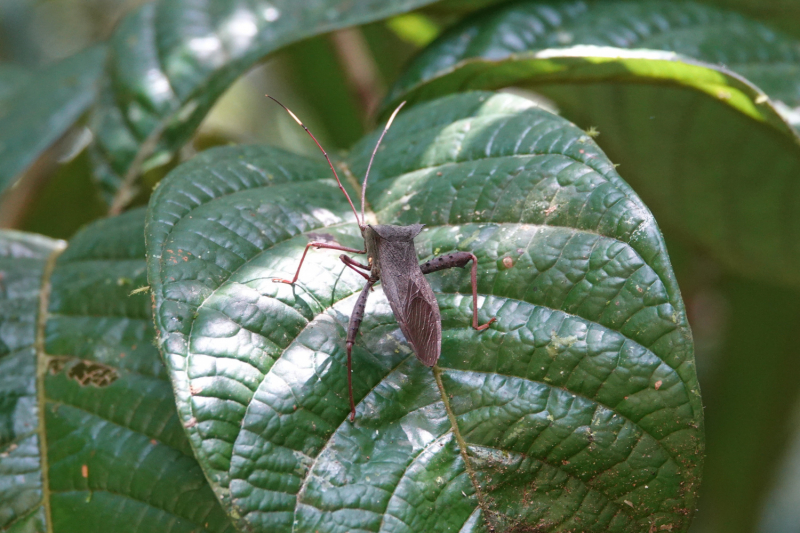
column 100, row 100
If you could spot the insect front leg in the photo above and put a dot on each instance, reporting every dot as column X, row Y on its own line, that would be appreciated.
column 317, row 245
column 459, row 259
column 355, row 265
column 352, row 331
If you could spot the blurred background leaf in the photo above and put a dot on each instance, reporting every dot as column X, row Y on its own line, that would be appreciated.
column 38, row 107
column 158, row 91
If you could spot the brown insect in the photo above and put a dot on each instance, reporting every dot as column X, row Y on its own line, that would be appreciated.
column 392, row 260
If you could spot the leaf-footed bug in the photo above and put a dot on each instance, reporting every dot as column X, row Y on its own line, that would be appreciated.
column 392, row 260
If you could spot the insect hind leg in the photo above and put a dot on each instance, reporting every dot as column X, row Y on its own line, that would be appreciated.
column 459, row 259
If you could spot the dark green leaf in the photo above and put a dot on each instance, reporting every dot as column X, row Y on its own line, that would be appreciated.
column 23, row 258
column 711, row 152
column 171, row 60
column 577, row 410
column 99, row 419
column 40, row 109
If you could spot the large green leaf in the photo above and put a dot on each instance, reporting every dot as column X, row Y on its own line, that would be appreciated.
column 90, row 438
column 38, row 108
column 171, row 59
column 577, row 410
column 712, row 152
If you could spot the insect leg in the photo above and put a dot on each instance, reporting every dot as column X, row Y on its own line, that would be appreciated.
column 352, row 330
column 317, row 245
column 459, row 259
column 355, row 265
column 352, row 262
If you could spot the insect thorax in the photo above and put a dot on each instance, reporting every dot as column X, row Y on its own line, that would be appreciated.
column 383, row 236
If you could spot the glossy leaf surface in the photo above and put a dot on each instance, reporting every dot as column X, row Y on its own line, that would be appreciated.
column 696, row 104
column 577, row 410
column 38, row 108
column 96, row 444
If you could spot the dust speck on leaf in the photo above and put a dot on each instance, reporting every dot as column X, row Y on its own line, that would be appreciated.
column 557, row 343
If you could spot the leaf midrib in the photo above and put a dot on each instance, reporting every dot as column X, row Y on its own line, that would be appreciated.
column 41, row 372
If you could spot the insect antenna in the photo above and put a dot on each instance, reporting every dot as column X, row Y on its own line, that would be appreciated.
column 335, row 175
column 375, row 151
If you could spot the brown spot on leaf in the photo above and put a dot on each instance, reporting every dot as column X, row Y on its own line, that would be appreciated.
column 658, row 384
column 82, row 371
column 192, row 422
column 93, row 373
column 57, row 364
column 508, row 262
column 85, row 471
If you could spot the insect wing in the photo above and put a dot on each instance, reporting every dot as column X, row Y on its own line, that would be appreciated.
column 421, row 322
column 415, row 308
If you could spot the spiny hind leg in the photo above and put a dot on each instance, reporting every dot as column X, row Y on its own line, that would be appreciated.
column 459, row 259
